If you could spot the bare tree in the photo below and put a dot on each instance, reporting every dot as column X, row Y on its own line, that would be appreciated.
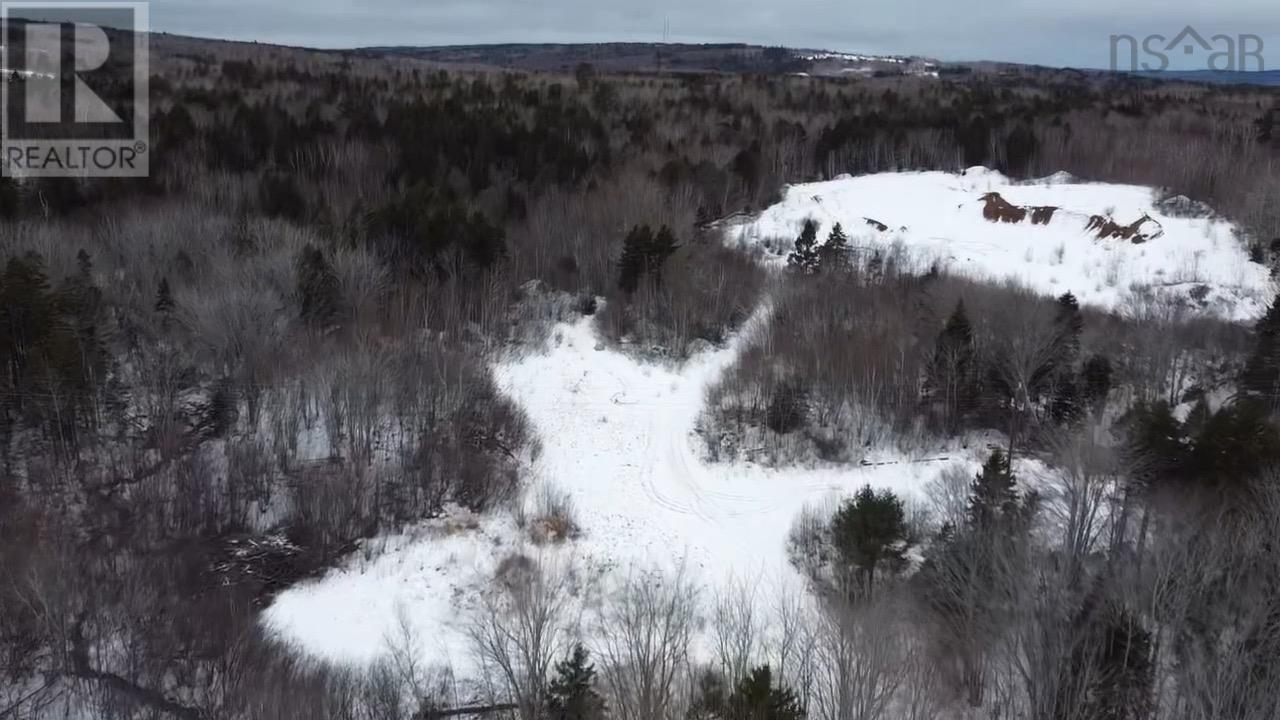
column 521, row 627
column 643, row 644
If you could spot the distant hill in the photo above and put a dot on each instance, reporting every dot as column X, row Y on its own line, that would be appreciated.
column 669, row 57
column 1264, row 77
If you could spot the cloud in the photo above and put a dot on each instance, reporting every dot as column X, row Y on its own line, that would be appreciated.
column 1070, row 33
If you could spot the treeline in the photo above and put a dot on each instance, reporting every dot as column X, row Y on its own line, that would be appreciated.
column 280, row 339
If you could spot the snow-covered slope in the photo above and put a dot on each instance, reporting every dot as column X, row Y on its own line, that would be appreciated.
column 617, row 437
column 939, row 217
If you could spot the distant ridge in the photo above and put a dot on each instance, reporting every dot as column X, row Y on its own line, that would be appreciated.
column 669, row 57
column 1220, row 77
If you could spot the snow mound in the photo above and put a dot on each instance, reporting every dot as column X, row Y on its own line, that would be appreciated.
column 618, row 437
column 1117, row 247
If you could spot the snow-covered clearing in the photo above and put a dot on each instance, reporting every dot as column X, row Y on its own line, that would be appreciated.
column 618, row 434
column 938, row 216
column 618, row 437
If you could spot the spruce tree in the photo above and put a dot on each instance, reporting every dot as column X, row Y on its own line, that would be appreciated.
column 1095, row 377
column 319, row 293
column 633, row 263
column 869, row 532
column 164, row 298
column 834, row 252
column 805, row 256
column 1121, row 678
column 571, row 693
column 951, row 375
column 663, row 247
column 643, row 254
column 1261, row 378
column 993, row 495
column 757, row 698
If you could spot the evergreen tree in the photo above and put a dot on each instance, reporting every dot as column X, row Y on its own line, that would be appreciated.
column 1122, row 677
column 805, row 256
column 485, row 243
column 633, row 263
column 1261, row 378
column 1095, row 377
column 951, row 375
column 319, row 293
column 787, row 407
column 757, row 698
column 993, row 496
column 663, row 247
column 571, row 693
column 1058, row 377
column 834, row 252
column 643, row 254
column 27, row 317
column 164, row 298
column 1157, row 442
column 870, row 531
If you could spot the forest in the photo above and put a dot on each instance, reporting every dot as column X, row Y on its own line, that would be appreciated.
column 332, row 249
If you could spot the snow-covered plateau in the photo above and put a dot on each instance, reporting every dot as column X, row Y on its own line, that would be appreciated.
column 618, row 433
column 1112, row 246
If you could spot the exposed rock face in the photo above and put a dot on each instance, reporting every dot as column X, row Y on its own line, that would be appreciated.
column 1139, row 231
column 996, row 209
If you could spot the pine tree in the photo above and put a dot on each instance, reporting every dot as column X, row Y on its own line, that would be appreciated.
column 1095, row 376
column 1057, row 378
column 1261, row 378
column 485, row 243
column 787, row 407
column 757, row 698
column 993, row 495
column 1121, row 678
column 319, row 293
column 805, row 256
column 663, row 247
column 951, row 375
column 164, row 298
column 643, row 254
column 834, row 252
column 571, row 694
column 869, row 532
column 634, row 260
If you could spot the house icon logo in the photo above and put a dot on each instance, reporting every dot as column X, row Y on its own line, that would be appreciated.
column 1189, row 39
column 1222, row 52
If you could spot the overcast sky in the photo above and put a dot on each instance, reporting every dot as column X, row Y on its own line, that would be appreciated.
column 1051, row 32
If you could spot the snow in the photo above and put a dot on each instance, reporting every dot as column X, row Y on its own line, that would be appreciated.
column 618, row 434
column 937, row 216
column 618, row 437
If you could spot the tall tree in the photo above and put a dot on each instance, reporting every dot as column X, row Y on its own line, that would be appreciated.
column 952, row 376
column 1260, row 380
column 993, row 495
column 643, row 254
column 804, row 257
column 834, row 253
column 319, row 294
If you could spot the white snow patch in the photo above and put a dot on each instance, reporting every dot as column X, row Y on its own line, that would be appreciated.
column 618, row 437
column 937, row 217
